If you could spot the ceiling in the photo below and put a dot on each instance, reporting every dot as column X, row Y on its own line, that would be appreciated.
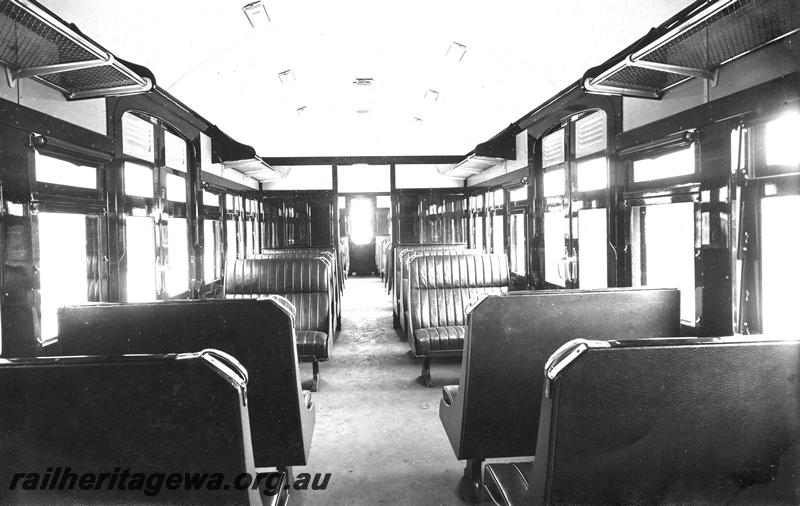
column 518, row 54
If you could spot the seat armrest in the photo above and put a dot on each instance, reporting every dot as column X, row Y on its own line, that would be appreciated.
column 449, row 393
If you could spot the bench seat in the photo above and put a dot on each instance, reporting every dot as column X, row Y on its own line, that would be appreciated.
column 312, row 343
column 440, row 339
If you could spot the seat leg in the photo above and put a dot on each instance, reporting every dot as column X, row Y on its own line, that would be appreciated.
column 315, row 381
column 425, row 376
column 339, row 322
column 470, row 486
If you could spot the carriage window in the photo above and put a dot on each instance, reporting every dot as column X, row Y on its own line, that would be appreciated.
column 555, row 225
column 498, row 245
column 140, row 250
column 553, row 148
column 478, row 244
column 176, row 188
column 518, row 194
column 780, row 140
column 138, row 180
column 592, row 174
column 516, row 242
column 174, row 152
column 662, row 238
column 178, row 256
column 592, row 256
column 676, row 163
column 62, row 266
column 138, row 137
column 211, row 258
column 230, row 241
column 780, row 274
column 590, row 134
column 210, row 199
column 553, row 182
column 56, row 171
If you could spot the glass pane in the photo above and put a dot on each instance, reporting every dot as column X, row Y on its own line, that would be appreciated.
column 361, row 221
column 176, row 188
column 516, row 242
column 780, row 140
column 666, row 253
column 364, row 178
column 174, row 152
column 140, row 253
column 518, row 194
column 498, row 245
column 498, row 198
column 780, row 274
column 56, row 171
column 677, row 163
column 553, row 148
column 62, row 265
column 383, row 201
column 590, row 134
column 592, row 260
column 479, row 233
column 251, row 244
column 137, row 137
column 553, row 183
column 138, row 180
column 230, row 241
column 178, row 257
column 555, row 225
column 592, row 175
column 211, row 267
column 210, row 199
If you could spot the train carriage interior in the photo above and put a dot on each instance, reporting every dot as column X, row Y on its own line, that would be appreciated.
column 272, row 252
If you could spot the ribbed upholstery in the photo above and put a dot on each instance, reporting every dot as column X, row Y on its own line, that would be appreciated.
column 440, row 339
column 508, row 483
column 396, row 274
column 440, row 289
column 304, row 281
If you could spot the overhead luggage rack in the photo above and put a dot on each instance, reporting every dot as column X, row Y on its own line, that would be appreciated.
column 36, row 43
column 695, row 43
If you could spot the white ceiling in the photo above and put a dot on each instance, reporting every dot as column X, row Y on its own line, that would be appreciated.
column 519, row 54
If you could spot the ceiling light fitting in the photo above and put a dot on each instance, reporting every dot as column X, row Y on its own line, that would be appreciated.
column 455, row 52
column 256, row 14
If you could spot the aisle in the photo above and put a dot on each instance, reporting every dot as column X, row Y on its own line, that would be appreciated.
column 378, row 430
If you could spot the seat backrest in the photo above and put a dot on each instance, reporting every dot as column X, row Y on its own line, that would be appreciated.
column 682, row 422
column 399, row 249
column 380, row 240
column 304, row 281
column 146, row 414
column 441, row 287
column 259, row 333
column 510, row 337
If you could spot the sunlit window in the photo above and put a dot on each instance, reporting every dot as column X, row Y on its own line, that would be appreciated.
column 210, row 199
column 555, row 229
column 478, row 233
column 137, row 137
column 780, row 140
column 211, row 267
column 174, row 152
column 251, row 244
column 518, row 194
column 592, row 256
column 553, row 148
column 664, row 255
column 361, row 221
column 62, row 264
column 176, row 188
column 516, row 242
column 138, row 180
column 178, row 264
column 676, row 163
column 57, row 171
column 383, row 201
column 553, row 183
column 780, row 272
column 230, row 241
column 140, row 255
column 498, row 198
column 592, row 174
column 498, row 245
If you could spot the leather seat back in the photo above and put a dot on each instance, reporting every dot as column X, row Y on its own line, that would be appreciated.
column 659, row 422
column 441, row 287
column 399, row 249
column 303, row 281
column 148, row 414
column 259, row 333
column 510, row 337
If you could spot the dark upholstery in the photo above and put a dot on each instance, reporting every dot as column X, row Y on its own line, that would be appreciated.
column 259, row 333
column 509, row 339
column 440, row 289
column 311, row 343
column 148, row 414
column 404, row 272
column 669, row 422
column 399, row 249
column 508, row 483
column 449, row 394
column 302, row 281
column 439, row 339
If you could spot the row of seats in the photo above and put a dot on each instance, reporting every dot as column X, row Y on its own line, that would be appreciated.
column 307, row 283
column 382, row 242
column 614, row 410
column 211, row 386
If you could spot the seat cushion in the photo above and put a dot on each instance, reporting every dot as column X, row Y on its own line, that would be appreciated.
column 449, row 393
column 507, row 484
column 312, row 344
column 439, row 339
